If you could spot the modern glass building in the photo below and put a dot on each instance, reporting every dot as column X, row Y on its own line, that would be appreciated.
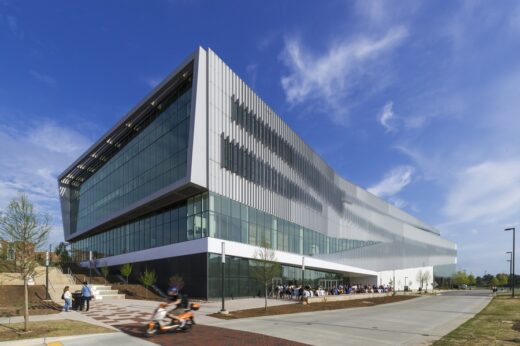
column 203, row 160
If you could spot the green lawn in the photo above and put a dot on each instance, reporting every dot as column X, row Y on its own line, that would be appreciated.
column 497, row 324
column 14, row 331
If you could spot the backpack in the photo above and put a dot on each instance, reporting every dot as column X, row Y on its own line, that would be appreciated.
column 63, row 296
column 184, row 301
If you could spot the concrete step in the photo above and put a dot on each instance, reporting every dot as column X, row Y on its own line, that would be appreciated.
column 106, row 292
column 110, row 296
column 101, row 292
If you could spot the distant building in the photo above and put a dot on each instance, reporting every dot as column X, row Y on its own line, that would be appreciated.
column 202, row 160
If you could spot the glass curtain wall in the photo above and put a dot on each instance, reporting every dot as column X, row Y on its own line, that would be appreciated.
column 240, row 281
column 155, row 158
column 212, row 215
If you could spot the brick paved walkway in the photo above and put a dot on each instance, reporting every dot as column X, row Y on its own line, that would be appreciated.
column 207, row 335
column 114, row 315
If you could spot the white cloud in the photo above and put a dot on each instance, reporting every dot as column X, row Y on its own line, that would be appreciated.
column 252, row 71
column 514, row 20
column 329, row 77
column 393, row 182
column 44, row 78
column 152, row 82
column 398, row 202
column 387, row 116
column 488, row 191
column 31, row 161
column 12, row 25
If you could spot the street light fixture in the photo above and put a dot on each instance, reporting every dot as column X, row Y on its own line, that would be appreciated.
column 513, row 263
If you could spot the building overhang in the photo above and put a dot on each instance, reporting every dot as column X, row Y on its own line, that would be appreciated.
column 214, row 245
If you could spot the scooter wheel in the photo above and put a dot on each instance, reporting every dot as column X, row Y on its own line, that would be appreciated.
column 151, row 331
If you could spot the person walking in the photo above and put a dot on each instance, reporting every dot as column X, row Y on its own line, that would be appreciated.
column 86, row 296
column 67, row 297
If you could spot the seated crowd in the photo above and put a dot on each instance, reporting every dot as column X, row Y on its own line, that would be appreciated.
column 299, row 292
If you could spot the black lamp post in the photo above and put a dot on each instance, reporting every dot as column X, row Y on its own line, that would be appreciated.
column 510, row 260
column 303, row 272
column 223, row 260
column 90, row 267
column 47, row 262
column 513, row 263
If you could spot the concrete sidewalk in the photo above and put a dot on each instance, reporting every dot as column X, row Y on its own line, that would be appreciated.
column 112, row 339
column 114, row 312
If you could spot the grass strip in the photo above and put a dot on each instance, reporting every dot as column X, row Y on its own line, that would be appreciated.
column 39, row 329
column 497, row 324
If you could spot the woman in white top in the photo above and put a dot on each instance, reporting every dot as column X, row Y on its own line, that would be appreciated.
column 67, row 296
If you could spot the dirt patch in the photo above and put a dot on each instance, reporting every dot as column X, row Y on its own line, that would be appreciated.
column 12, row 301
column 297, row 308
column 207, row 335
column 7, row 266
column 11, row 332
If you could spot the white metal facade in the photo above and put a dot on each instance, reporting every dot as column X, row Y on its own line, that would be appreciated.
column 402, row 240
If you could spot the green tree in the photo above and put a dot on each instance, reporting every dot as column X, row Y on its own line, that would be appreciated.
column 460, row 278
column 471, row 280
column 62, row 253
column 494, row 282
column 265, row 267
column 27, row 231
column 104, row 272
column 147, row 279
column 126, row 270
column 503, row 279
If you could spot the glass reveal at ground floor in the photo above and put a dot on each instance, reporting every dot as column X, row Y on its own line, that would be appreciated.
column 202, row 275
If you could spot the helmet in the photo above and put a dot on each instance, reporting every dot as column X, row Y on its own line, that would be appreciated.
column 172, row 291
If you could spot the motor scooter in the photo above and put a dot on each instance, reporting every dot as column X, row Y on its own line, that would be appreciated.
column 158, row 323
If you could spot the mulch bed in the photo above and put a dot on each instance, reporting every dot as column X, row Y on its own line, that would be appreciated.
column 207, row 335
column 137, row 292
column 12, row 301
column 298, row 308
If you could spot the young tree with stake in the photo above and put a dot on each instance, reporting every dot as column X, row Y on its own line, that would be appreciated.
column 126, row 270
column 266, row 267
column 27, row 232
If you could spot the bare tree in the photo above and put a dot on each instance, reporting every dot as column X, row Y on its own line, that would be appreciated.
column 266, row 267
column 426, row 276
column 419, row 278
column 27, row 232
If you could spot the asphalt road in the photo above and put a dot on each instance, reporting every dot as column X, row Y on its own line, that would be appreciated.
column 413, row 322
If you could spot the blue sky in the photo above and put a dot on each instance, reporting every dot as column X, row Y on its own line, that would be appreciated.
column 416, row 101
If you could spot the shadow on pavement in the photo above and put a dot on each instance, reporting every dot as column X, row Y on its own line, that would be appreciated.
column 205, row 335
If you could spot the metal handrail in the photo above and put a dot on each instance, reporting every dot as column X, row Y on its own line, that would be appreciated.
column 71, row 276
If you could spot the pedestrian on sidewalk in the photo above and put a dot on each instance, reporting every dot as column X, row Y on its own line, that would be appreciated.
column 86, row 296
column 67, row 297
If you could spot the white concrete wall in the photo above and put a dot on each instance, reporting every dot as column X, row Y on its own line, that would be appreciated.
column 410, row 274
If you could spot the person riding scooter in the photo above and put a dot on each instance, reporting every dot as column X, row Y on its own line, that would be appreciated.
column 178, row 307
